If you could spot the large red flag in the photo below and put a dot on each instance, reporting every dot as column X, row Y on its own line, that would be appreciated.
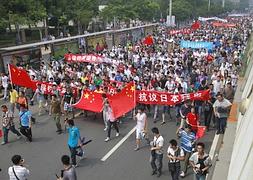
column 90, row 101
column 20, row 77
column 124, row 101
column 200, row 132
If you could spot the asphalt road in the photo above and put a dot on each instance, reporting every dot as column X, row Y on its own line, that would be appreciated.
column 42, row 156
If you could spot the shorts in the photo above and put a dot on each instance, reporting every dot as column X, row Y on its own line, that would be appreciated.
column 140, row 134
column 40, row 103
column 67, row 107
column 166, row 109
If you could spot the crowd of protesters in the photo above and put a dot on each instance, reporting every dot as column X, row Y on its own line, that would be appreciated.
column 153, row 67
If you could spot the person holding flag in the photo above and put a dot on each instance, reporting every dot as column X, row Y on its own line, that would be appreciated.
column 111, row 121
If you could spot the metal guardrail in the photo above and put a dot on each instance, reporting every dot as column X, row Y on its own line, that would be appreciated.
column 13, row 48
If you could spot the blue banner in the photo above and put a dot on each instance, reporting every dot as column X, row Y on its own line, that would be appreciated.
column 196, row 45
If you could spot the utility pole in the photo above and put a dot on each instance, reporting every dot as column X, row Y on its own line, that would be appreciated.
column 223, row 3
column 169, row 20
column 170, row 9
column 209, row 5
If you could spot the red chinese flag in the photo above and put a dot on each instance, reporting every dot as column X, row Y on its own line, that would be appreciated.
column 200, row 132
column 20, row 77
column 148, row 40
column 124, row 101
column 90, row 101
column 209, row 58
column 196, row 25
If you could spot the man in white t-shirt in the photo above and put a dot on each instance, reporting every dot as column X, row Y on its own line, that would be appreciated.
column 217, row 85
column 175, row 154
column 5, row 85
column 156, row 152
column 141, row 127
column 221, row 108
column 18, row 170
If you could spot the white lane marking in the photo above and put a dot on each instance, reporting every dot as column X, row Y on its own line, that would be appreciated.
column 213, row 147
column 118, row 145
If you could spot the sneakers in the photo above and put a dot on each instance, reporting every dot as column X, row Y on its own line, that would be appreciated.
column 3, row 143
column 107, row 139
column 163, row 123
column 182, row 174
column 137, row 148
column 117, row 134
column 153, row 173
column 105, row 129
column 19, row 137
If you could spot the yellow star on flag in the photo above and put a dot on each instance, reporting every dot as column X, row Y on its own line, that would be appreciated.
column 132, row 88
column 86, row 95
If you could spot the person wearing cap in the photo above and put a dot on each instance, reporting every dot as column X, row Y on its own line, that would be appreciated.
column 187, row 140
column 18, row 171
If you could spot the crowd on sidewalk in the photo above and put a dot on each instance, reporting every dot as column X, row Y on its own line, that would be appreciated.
column 152, row 67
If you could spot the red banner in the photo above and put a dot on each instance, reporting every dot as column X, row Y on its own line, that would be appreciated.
column 48, row 87
column 180, row 31
column 163, row 98
column 89, row 58
column 220, row 24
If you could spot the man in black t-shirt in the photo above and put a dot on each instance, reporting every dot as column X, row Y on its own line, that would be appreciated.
column 67, row 102
column 184, row 110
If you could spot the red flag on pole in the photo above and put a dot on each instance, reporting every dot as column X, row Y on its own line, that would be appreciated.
column 196, row 25
column 123, row 101
column 90, row 101
column 148, row 40
column 20, row 77
column 200, row 132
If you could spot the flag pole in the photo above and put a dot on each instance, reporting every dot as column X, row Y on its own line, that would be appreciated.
column 134, row 112
column 9, row 69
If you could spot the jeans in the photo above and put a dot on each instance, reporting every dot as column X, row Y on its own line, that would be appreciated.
column 186, row 161
column 27, row 132
column 159, row 159
column 221, row 125
column 200, row 177
column 57, row 118
column 208, row 117
column 73, row 153
column 105, row 119
column 175, row 174
column 110, row 127
column 6, row 131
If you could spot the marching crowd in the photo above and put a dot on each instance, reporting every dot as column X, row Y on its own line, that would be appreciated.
column 153, row 67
